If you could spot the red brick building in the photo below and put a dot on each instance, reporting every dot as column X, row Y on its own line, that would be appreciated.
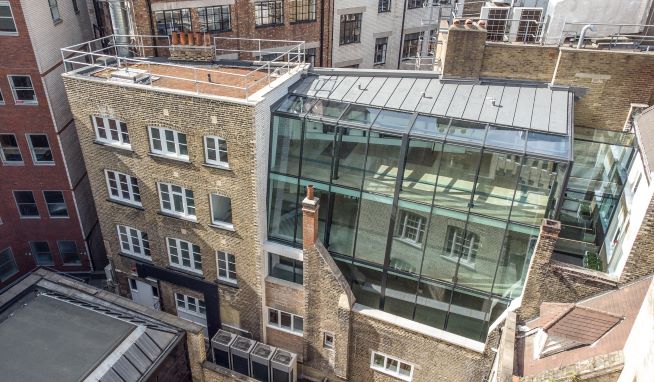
column 47, row 216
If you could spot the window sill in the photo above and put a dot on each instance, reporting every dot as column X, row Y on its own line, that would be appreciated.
column 59, row 217
column 44, row 164
column 285, row 330
column 282, row 282
column 24, row 103
column 230, row 283
column 303, row 21
column 176, row 159
column 8, row 34
column 462, row 262
column 115, row 146
column 186, row 271
column 174, row 216
column 409, row 242
column 225, row 227
column 387, row 11
column 134, row 257
column 191, row 313
column 349, row 43
column 126, row 204
column 221, row 167
column 57, row 22
column 11, row 164
column 268, row 26
column 30, row 217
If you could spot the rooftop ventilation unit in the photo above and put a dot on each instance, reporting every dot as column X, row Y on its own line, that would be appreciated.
column 130, row 75
column 260, row 362
column 284, row 366
column 240, row 351
column 220, row 344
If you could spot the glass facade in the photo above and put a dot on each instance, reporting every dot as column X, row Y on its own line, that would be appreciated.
column 428, row 218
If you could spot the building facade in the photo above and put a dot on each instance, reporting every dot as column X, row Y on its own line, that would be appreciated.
column 47, row 215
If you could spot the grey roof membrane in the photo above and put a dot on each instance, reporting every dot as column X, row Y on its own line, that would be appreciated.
column 518, row 105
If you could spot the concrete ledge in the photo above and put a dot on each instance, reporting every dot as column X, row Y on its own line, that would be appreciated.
column 584, row 273
column 217, row 373
column 419, row 328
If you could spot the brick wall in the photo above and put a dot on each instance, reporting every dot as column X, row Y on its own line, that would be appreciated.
column 640, row 262
column 530, row 62
column 465, row 52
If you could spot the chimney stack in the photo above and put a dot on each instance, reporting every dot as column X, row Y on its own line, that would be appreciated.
column 464, row 50
column 310, row 207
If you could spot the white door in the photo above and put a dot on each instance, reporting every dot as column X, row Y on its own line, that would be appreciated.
column 144, row 294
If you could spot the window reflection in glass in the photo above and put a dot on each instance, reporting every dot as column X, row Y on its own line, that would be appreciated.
column 382, row 163
column 285, row 147
column 456, row 178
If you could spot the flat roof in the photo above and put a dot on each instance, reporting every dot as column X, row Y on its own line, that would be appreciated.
column 48, row 337
column 532, row 106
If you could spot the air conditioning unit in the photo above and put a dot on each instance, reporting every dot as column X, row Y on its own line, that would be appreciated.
column 220, row 348
column 528, row 28
column 260, row 362
column 240, row 354
column 284, row 366
column 497, row 22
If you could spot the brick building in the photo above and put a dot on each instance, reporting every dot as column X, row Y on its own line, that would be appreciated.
column 47, row 217
column 440, row 206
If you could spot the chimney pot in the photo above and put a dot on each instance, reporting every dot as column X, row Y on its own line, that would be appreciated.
column 207, row 39
column 310, row 192
column 190, row 38
column 182, row 38
column 457, row 22
column 198, row 38
column 310, row 206
column 175, row 38
column 482, row 24
column 469, row 23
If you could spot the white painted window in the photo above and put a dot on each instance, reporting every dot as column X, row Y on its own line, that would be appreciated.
column 23, row 90
column 9, row 150
column 221, row 211
column 26, row 204
column 177, row 200
column 184, row 255
column 111, row 131
column 7, row 23
column 133, row 241
column 461, row 244
column 123, row 188
column 412, row 227
column 41, row 252
column 226, row 266
column 69, row 252
column 40, row 149
column 391, row 366
column 215, row 151
column 54, row 10
column 8, row 265
column 56, row 204
column 287, row 322
column 328, row 340
column 191, row 308
column 168, row 143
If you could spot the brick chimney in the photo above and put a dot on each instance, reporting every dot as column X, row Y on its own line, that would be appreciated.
column 464, row 50
column 310, row 206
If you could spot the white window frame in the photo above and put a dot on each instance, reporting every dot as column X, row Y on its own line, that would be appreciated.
column 219, row 223
column 184, row 305
column 164, row 152
column 279, row 326
column 11, row 11
column 121, row 131
column 466, row 250
column 216, row 141
column 389, row 371
column 189, row 211
column 47, row 204
column 194, row 257
column 131, row 200
column 4, row 158
column 407, row 227
column 135, row 239
column 11, row 259
column 13, row 90
column 33, row 154
column 327, row 344
column 226, row 262
column 38, row 216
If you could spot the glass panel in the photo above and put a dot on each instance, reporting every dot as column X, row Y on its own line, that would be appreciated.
column 349, row 157
column 327, row 109
column 420, row 169
column 393, row 120
column 296, row 104
column 409, row 236
column 548, row 144
column 359, row 114
column 495, row 186
column 283, row 207
column 285, row 148
column 400, row 295
column 464, row 131
column 440, row 260
column 478, row 252
column 366, row 284
column 532, row 197
column 430, row 126
column 432, row 303
column 604, row 136
column 318, row 150
column 372, row 229
column 506, row 138
column 518, row 247
column 344, row 217
column 467, row 313
column 382, row 163
column 221, row 209
column 456, row 177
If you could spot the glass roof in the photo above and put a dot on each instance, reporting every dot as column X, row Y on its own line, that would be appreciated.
column 474, row 133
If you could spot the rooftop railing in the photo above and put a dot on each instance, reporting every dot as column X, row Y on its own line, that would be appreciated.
column 234, row 67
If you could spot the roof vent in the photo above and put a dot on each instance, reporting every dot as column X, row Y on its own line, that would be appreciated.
column 130, row 75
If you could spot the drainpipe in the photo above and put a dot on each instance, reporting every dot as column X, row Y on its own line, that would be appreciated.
column 152, row 31
column 585, row 29
column 399, row 54
column 120, row 23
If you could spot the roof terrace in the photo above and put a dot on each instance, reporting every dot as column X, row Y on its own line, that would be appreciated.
column 193, row 63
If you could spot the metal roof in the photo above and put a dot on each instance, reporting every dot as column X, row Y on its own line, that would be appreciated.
column 532, row 106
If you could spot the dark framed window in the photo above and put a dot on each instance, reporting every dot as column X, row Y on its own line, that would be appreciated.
column 303, row 10
column 26, row 204
column 8, row 266
column 268, row 13
column 285, row 268
column 9, row 150
column 54, row 10
column 40, row 147
column 41, row 252
column 351, row 28
column 215, row 19
column 411, row 45
column 384, row 6
column 75, row 6
column 381, row 46
column 174, row 20
column 68, row 252
column 56, row 204
column 7, row 23
column 412, row 4
column 23, row 90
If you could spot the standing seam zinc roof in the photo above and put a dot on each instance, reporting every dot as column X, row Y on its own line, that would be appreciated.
column 528, row 106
